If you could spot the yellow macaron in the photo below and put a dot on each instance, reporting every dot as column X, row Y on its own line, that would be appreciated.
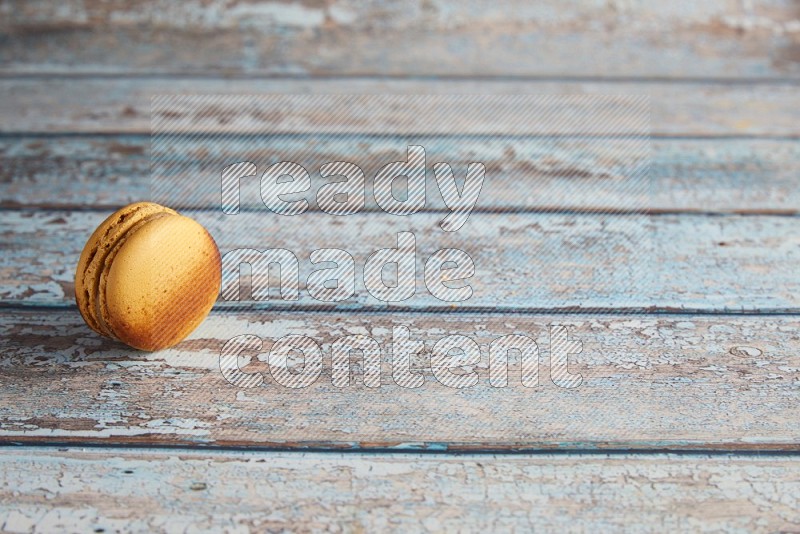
column 148, row 276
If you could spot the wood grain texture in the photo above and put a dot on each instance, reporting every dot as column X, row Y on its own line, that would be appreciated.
column 115, row 105
column 696, row 175
column 715, row 38
column 651, row 383
column 671, row 366
column 147, row 490
column 522, row 261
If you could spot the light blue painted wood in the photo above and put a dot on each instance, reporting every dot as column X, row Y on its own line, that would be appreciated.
column 152, row 490
column 522, row 261
column 737, row 175
column 648, row 383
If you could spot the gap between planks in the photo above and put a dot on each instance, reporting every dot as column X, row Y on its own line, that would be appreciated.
column 420, row 449
column 432, row 78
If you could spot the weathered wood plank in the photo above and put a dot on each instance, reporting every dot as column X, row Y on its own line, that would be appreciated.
column 656, row 383
column 403, row 114
column 715, row 38
column 735, row 176
column 522, row 261
column 148, row 490
column 63, row 104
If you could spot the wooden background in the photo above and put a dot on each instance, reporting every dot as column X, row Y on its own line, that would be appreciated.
column 690, row 417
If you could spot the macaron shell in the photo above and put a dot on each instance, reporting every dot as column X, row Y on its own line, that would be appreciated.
column 161, row 282
column 95, row 253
